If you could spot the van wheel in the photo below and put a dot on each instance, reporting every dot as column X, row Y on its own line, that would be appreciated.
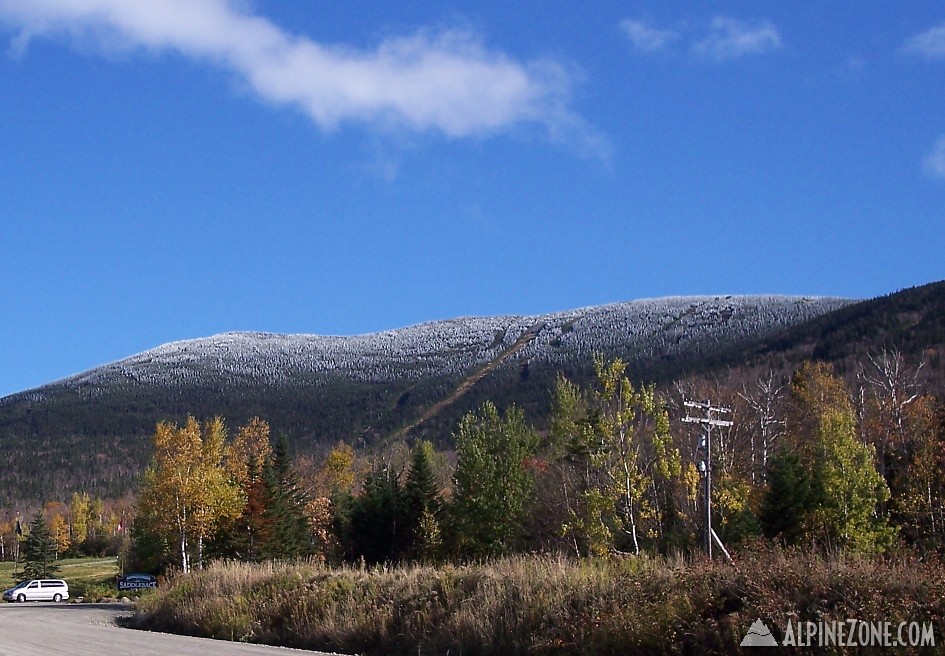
column 57, row 597
column 21, row 597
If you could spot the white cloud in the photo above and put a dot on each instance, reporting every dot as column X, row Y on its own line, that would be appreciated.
column 445, row 80
column 645, row 38
column 935, row 161
column 731, row 39
column 930, row 43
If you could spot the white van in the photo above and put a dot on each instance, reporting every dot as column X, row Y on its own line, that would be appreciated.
column 38, row 590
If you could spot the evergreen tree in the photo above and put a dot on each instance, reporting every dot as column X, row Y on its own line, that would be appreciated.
column 39, row 551
column 149, row 549
column 421, row 505
column 376, row 532
column 289, row 532
column 787, row 500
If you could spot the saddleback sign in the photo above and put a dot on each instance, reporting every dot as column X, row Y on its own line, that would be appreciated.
column 136, row 582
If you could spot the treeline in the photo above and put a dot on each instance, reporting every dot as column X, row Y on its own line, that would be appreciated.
column 807, row 461
column 810, row 459
column 85, row 526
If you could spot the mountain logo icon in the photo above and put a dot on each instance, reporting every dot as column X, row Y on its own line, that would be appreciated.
column 759, row 636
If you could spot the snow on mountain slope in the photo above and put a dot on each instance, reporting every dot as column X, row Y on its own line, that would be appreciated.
column 635, row 330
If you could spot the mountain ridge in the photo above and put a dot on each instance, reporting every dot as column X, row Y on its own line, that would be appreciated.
column 335, row 346
column 92, row 430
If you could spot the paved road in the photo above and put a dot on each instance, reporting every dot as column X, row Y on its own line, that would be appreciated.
column 90, row 630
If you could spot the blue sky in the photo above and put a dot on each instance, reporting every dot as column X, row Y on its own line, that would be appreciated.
column 172, row 169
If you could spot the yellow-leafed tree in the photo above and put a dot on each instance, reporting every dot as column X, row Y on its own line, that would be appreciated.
column 251, row 445
column 80, row 508
column 187, row 493
column 59, row 529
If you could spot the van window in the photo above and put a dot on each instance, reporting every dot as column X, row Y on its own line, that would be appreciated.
column 52, row 584
column 34, row 584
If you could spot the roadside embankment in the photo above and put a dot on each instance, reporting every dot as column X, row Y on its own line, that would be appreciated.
column 545, row 605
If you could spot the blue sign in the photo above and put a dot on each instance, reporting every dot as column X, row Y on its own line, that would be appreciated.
column 136, row 582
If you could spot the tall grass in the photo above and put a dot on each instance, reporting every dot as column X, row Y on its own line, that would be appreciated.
column 540, row 604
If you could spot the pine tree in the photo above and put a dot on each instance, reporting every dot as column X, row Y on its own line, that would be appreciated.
column 375, row 530
column 290, row 535
column 39, row 551
column 421, row 505
column 787, row 500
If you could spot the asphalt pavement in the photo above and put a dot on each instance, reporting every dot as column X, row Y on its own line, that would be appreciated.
column 36, row 628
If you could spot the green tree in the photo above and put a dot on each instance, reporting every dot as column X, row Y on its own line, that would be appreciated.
column 376, row 531
column 847, row 490
column 851, row 490
column 732, row 503
column 492, row 483
column 421, row 505
column 787, row 499
column 290, row 535
column 39, row 551
column 622, row 473
column 150, row 549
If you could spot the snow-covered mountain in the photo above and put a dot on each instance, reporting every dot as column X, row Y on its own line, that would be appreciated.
column 91, row 431
column 637, row 331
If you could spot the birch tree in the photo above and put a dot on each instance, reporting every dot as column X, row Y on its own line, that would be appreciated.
column 186, row 492
column 888, row 387
column 764, row 398
column 80, row 506
column 625, row 466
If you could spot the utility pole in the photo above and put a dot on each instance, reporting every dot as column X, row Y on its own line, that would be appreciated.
column 705, row 466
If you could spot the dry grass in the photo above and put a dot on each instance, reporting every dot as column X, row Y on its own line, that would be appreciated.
column 541, row 605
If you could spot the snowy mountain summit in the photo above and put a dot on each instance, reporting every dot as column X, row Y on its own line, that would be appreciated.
column 656, row 328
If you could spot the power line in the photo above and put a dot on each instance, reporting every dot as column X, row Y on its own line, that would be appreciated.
column 705, row 466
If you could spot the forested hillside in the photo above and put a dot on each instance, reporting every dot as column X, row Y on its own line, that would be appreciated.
column 90, row 432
